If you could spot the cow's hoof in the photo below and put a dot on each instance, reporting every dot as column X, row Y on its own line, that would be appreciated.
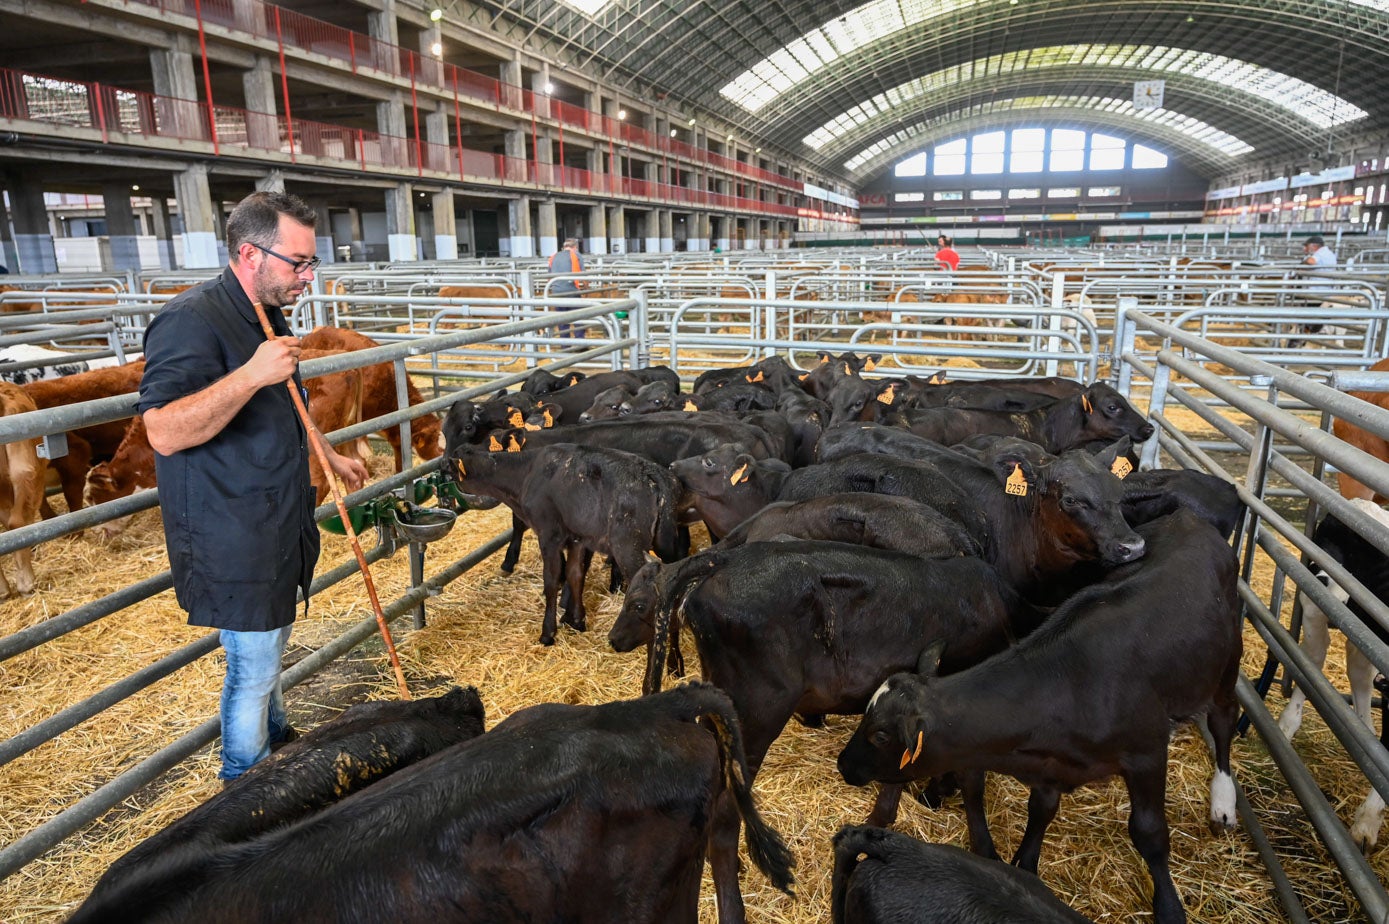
column 811, row 721
column 1221, row 827
column 547, row 639
column 577, row 625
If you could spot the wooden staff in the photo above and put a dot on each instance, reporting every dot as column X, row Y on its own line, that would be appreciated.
column 351, row 533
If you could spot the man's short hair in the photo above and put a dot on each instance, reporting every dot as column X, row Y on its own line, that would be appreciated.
column 946, row 239
column 571, row 242
column 1315, row 239
column 256, row 219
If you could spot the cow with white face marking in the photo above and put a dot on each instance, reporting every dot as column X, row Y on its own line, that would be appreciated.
column 1156, row 642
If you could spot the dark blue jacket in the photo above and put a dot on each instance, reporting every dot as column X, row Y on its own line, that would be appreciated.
column 238, row 509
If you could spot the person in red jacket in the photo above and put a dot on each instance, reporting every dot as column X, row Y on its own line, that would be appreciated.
column 946, row 254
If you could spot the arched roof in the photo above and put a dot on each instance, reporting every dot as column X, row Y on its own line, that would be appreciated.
column 782, row 71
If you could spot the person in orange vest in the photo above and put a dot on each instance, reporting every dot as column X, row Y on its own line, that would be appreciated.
column 946, row 253
column 567, row 261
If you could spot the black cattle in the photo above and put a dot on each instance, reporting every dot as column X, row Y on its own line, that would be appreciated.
column 471, row 421
column 737, row 397
column 1157, row 642
column 1099, row 413
column 368, row 742
column 813, row 627
column 997, row 394
column 1156, row 493
column 662, row 438
column 776, row 373
column 720, row 378
column 822, row 379
column 808, row 418
column 852, row 398
column 542, row 381
column 578, row 500
column 560, row 813
column 654, row 397
column 870, row 473
column 608, row 403
column 882, row 877
column 573, row 400
column 852, row 438
column 878, row 520
column 728, row 485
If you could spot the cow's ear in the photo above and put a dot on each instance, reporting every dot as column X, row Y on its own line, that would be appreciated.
column 514, row 417
column 690, row 405
column 1016, row 473
column 742, row 469
column 1115, row 457
column 458, row 464
column 824, row 358
column 515, row 442
column 501, row 393
column 548, row 412
column 753, row 379
column 574, row 378
column 928, row 664
column 887, row 392
column 872, row 361
column 913, row 732
column 494, row 444
column 937, row 378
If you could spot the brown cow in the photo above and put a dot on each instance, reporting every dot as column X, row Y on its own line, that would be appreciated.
column 335, row 401
column 21, row 485
column 378, row 394
column 481, row 291
column 85, row 444
column 1363, row 440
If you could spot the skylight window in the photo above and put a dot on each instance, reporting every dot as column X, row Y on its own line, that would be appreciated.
column 1302, row 99
column 590, row 8
column 1145, row 158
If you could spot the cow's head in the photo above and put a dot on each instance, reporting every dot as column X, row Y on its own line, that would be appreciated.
column 652, row 398
column 636, row 622
column 1108, row 416
column 717, row 472
column 1080, row 503
column 848, row 399
column 893, row 743
column 607, row 404
column 463, row 425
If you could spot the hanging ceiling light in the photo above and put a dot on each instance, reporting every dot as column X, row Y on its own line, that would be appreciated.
column 436, row 14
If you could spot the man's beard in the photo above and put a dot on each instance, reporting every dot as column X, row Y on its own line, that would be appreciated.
column 273, row 294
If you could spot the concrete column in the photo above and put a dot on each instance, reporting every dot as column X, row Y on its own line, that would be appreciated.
column 383, row 26
column 258, row 85
column 512, row 81
column 549, row 227
column 358, row 239
column 518, row 213
column 173, row 75
column 120, row 226
column 9, row 254
column 33, row 237
column 400, row 223
column 163, row 233
column 199, row 218
column 515, row 150
column 724, row 239
column 617, row 229
column 699, row 232
column 539, row 80
column 666, row 218
column 445, row 226
column 433, row 70
column 323, row 233
column 750, row 239
column 390, row 121
column 274, row 181
column 247, row 15
column 436, row 132
column 651, row 228
column 597, row 241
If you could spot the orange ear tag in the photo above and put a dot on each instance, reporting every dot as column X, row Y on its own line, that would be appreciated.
column 1121, row 467
column 847, row 370
column 824, row 359
column 494, row 444
column 757, row 378
column 906, row 759
column 549, row 419
column 517, row 419
column 458, row 463
column 869, row 366
column 936, row 379
column 887, row 397
column 691, row 406
column 1085, row 403
column 803, row 376
column 514, row 445
column 533, row 427
column 917, row 752
column 739, row 476
column 1016, row 484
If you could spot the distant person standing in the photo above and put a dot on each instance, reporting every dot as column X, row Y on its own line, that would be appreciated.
column 946, row 254
column 567, row 261
column 1317, row 255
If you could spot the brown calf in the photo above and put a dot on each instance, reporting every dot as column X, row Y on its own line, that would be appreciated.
column 1363, row 440
column 21, row 485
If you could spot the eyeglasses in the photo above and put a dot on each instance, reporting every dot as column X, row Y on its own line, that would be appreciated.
column 299, row 266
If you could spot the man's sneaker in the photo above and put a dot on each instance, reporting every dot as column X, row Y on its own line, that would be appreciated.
column 289, row 734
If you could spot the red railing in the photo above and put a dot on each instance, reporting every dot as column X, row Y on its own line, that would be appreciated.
column 358, row 50
column 134, row 114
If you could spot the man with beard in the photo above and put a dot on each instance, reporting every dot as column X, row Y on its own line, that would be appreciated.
column 232, row 462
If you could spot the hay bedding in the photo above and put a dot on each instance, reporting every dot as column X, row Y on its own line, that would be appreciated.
column 483, row 631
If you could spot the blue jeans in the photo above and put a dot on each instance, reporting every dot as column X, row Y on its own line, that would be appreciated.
column 253, row 705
